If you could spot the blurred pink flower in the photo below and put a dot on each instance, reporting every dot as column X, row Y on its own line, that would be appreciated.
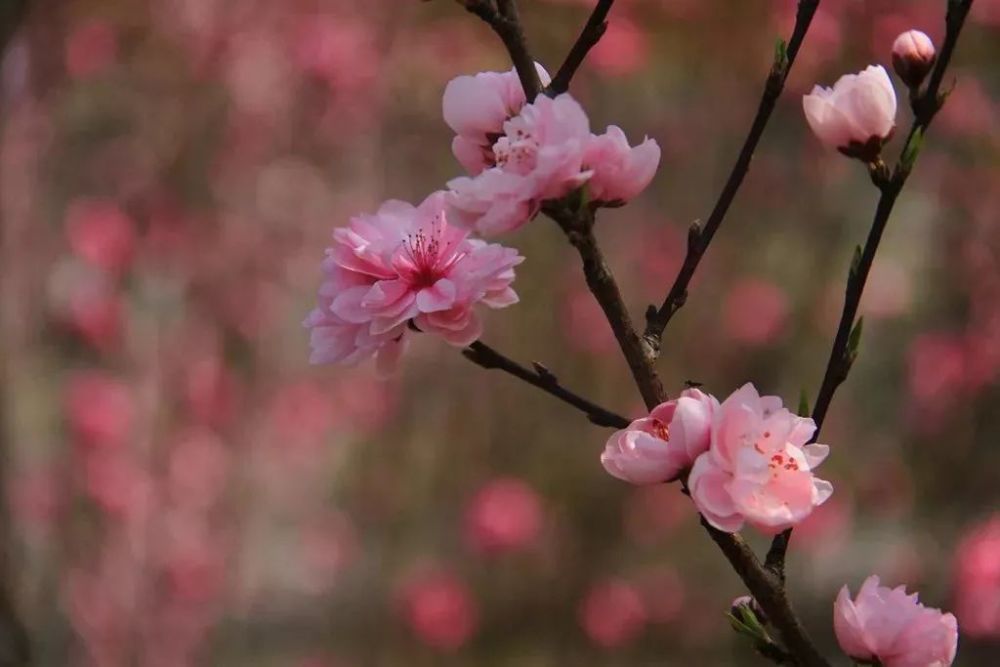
column 198, row 469
column 621, row 172
column 91, row 48
column 977, row 579
column 100, row 409
column 913, row 56
column 826, row 529
column 539, row 157
column 504, row 515
column 652, row 513
column 405, row 264
column 117, row 483
column 755, row 312
column 342, row 50
column 759, row 467
column 661, row 446
column 476, row 108
column 613, row 614
column 857, row 115
column 623, row 50
column 892, row 627
column 101, row 234
column 440, row 610
column 938, row 367
column 210, row 391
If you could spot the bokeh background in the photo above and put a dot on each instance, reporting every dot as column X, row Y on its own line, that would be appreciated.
column 184, row 489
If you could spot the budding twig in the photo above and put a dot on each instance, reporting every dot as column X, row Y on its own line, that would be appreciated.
column 483, row 355
column 841, row 354
column 589, row 37
column 784, row 59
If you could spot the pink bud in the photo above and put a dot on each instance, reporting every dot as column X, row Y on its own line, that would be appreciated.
column 912, row 57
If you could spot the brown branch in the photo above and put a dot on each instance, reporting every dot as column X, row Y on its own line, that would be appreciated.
column 591, row 34
column 483, row 355
column 658, row 318
column 502, row 16
column 838, row 366
column 578, row 225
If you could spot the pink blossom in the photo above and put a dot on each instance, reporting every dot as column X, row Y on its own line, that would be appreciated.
column 759, row 467
column 504, row 515
column 90, row 48
column 100, row 409
column 623, row 50
column 101, row 234
column 440, row 610
column 476, row 108
column 538, row 157
column 913, row 56
column 613, row 614
column 755, row 311
column 892, row 627
column 403, row 266
column 857, row 115
column 977, row 580
column 620, row 172
column 659, row 447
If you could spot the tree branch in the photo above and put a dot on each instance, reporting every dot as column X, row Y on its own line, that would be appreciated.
column 483, row 355
column 578, row 225
column 838, row 366
column 657, row 319
column 502, row 16
column 589, row 37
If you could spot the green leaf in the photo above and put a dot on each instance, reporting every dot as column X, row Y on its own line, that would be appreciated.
column 780, row 54
column 855, row 262
column 803, row 403
column 854, row 340
column 912, row 150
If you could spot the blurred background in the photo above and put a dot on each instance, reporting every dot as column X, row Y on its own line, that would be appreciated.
column 182, row 488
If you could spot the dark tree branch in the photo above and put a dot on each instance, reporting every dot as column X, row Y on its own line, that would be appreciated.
column 657, row 319
column 838, row 366
column 483, row 355
column 502, row 16
column 589, row 37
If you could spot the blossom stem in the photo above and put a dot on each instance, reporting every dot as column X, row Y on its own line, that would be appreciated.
column 591, row 34
column 483, row 355
column 658, row 318
column 502, row 16
column 839, row 364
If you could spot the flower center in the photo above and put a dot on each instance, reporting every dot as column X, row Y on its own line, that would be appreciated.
column 430, row 255
column 661, row 430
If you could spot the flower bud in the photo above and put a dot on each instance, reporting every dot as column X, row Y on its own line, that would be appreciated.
column 912, row 57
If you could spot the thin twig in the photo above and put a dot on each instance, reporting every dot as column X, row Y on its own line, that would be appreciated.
column 657, row 318
column 503, row 18
column 841, row 358
column 483, row 355
column 578, row 225
column 589, row 37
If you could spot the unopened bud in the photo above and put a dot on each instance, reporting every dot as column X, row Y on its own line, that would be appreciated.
column 912, row 57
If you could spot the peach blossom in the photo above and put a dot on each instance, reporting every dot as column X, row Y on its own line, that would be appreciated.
column 621, row 172
column 857, row 115
column 405, row 268
column 101, row 234
column 892, row 627
column 659, row 447
column 759, row 466
column 476, row 108
column 538, row 157
column 440, row 610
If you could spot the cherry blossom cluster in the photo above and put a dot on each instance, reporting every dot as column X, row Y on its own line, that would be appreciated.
column 412, row 268
column 747, row 460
